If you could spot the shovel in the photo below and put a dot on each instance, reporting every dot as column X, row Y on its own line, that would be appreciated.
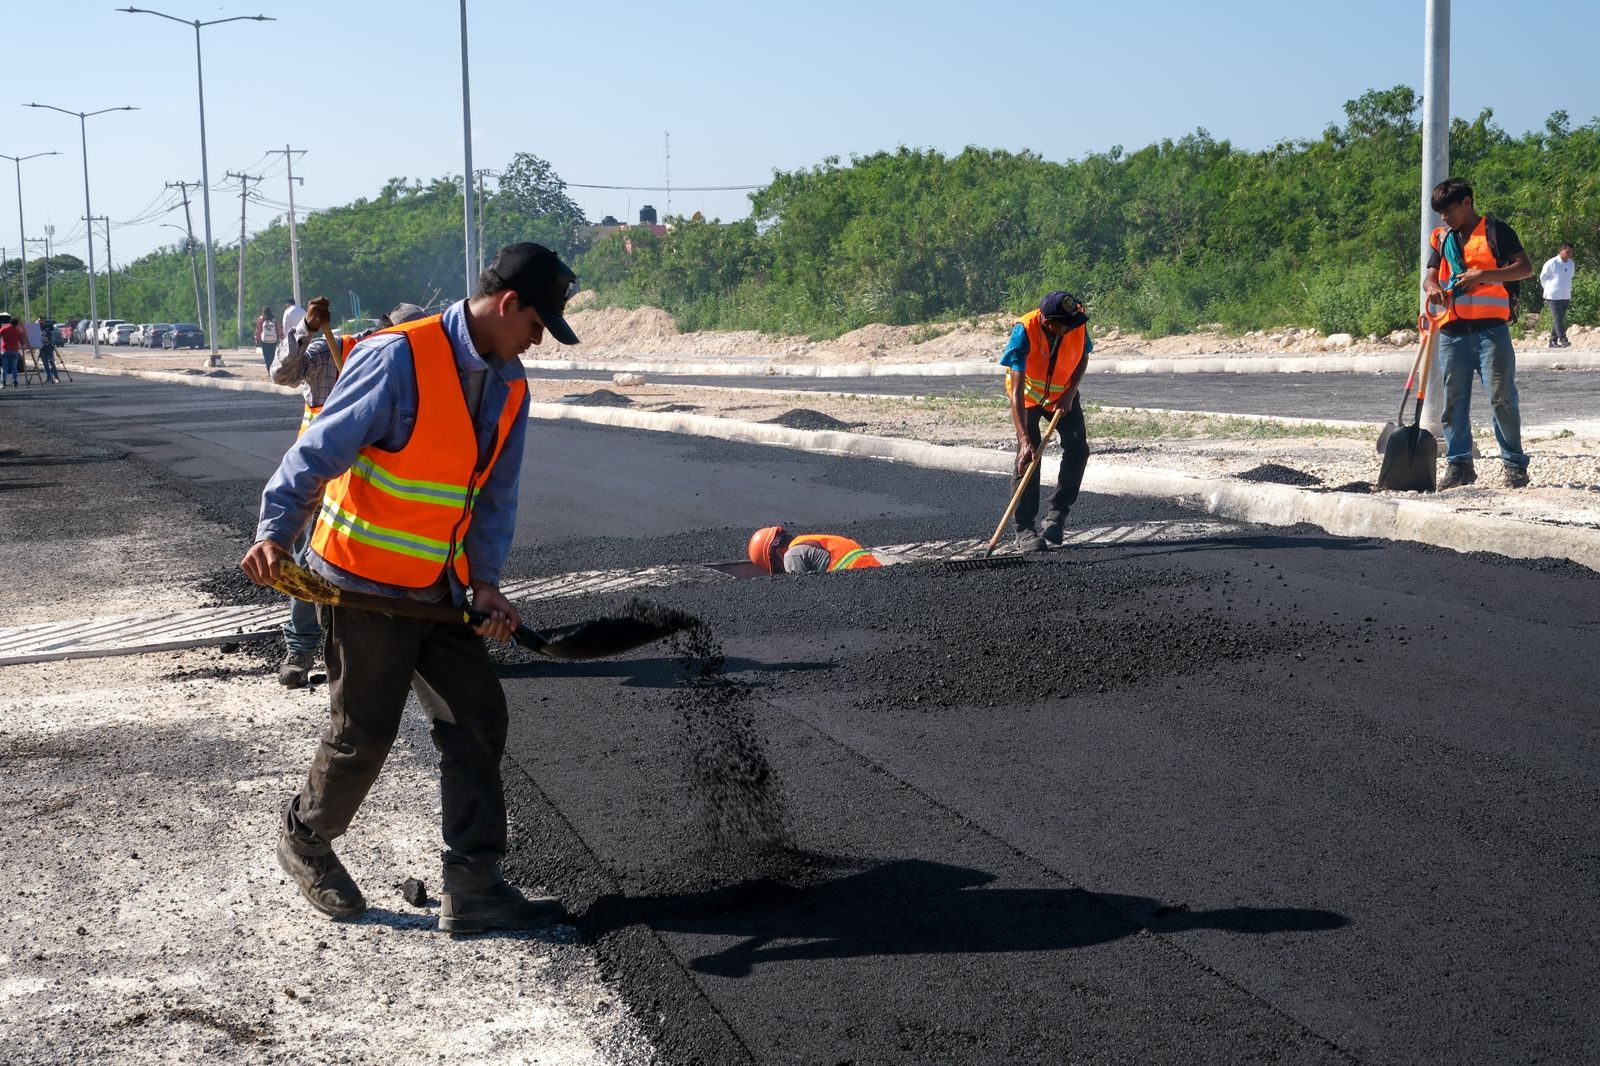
column 593, row 639
column 1022, row 486
column 1411, row 380
column 1411, row 454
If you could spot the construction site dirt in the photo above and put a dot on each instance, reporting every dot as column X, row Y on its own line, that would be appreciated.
column 1248, row 795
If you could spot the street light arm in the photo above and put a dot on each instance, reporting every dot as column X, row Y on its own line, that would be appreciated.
column 158, row 14
column 20, row 159
column 240, row 18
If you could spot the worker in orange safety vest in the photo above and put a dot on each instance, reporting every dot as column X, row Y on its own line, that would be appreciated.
column 775, row 549
column 1045, row 360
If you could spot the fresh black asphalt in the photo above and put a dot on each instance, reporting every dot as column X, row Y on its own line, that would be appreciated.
column 1267, row 796
column 1546, row 396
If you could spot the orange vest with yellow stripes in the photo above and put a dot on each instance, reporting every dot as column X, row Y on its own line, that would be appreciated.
column 1042, row 384
column 400, row 518
column 843, row 553
column 1485, row 300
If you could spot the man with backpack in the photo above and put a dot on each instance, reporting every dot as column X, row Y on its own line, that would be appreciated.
column 1476, row 264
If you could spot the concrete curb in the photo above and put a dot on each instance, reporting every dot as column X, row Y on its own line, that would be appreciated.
column 1398, row 363
column 1339, row 513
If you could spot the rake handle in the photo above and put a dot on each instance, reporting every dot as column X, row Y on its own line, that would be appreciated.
column 1022, row 485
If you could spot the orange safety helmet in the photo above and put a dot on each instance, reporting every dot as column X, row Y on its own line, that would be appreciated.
column 762, row 543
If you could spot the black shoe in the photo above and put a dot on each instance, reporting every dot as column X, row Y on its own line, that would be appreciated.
column 500, row 907
column 1054, row 532
column 1028, row 540
column 322, row 878
column 1516, row 476
column 1457, row 475
column 296, row 669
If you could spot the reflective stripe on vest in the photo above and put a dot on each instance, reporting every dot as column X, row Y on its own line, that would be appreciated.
column 401, row 518
column 1042, row 386
column 1485, row 300
column 843, row 553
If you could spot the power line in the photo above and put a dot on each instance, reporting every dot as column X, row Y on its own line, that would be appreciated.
column 664, row 188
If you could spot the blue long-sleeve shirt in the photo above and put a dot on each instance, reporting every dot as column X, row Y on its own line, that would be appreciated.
column 1015, row 357
column 375, row 403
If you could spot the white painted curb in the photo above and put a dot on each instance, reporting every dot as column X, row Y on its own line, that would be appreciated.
column 1340, row 513
column 1398, row 363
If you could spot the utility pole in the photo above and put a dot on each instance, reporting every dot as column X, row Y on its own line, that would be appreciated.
column 466, row 144
column 294, row 244
column 49, row 268
column 481, row 174
column 1435, row 162
column 668, row 139
column 194, row 263
column 244, row 192
column 111, row 307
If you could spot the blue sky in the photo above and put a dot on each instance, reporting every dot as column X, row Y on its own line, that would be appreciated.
column 372, row 89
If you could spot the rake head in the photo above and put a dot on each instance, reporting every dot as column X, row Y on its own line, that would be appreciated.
column 991, row 562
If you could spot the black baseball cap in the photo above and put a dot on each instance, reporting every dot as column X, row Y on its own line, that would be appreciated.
column 540, row 279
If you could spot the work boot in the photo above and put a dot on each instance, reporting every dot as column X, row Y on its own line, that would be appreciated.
column 499, row 907
column 1516, row 476
column 322, row 878
column 1028, row 540
column 1457, row 475
column 1054, row 531
column 296, row 669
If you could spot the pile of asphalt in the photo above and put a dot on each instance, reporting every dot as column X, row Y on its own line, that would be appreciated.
column 1278, row 474
column 598, row 398
column 806, row 418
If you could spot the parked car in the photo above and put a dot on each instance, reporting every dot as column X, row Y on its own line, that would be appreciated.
column 122, row 333
column 183, row 335
column 136, row 339
column 153, row 334
column 106, row 328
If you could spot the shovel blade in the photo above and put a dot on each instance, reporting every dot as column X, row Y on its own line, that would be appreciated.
column 599, row 638
column 1383, row 437
column 1410, row 461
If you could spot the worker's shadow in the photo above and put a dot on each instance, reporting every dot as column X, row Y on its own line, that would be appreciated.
column 912, row 907
column 659, row 671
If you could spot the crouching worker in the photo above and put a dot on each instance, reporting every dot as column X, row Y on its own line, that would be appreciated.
column 409, row 476
column 1044, row 360
column 776, row 550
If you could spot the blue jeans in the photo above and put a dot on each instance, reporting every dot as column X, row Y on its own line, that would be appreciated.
column 10, row 366
column 1487, row 355
column 303, row 631
column 47, row 361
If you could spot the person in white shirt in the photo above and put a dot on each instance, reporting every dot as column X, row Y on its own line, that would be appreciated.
column 292, row 314
column 1556, row 277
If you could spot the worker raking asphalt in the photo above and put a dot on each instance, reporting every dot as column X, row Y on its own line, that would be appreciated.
column 731, row 781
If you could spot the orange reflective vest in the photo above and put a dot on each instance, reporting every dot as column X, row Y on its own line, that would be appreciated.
column 1042, row 384
column 1485, row 300
column 346, row 344
column 399, row 518
column 843, row 553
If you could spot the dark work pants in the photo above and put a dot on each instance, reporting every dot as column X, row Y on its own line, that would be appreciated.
column 373, row 659
column 1074, row 437
column 1558, row 319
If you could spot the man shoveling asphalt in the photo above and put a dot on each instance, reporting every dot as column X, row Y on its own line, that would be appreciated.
column 415, row 460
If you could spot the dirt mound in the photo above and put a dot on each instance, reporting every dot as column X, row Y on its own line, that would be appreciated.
column 600, row 398
column 1278, row 474
column 637, row 328
column 805, row 418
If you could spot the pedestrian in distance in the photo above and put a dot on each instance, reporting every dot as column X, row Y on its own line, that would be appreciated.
column 409, row 475
column 1556, row 279
column 13, row 342
column 267, row 335
column 304, row 359
column 292, row 314
column 774, row 549
column 1477, row 261
column 47, row 351
column 1045, row 358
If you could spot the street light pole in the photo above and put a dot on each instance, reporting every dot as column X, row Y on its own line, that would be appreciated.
column 27, row 305
column 466, row 140
column 83, row 117
column 205, row 176
column 1435, row 162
